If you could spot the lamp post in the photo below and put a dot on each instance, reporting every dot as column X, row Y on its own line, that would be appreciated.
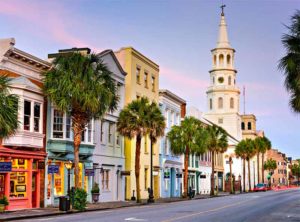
column 69, row 166
column 151, row 197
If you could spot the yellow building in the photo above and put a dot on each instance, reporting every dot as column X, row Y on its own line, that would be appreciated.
column 141, row 80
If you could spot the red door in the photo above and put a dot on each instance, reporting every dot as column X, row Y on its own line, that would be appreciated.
column 2, row 183
column 34, row 190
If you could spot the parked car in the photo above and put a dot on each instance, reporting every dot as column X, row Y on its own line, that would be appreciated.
column 260, row 187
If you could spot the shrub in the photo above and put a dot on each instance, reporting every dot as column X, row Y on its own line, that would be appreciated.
column 95, row 188
column 4, row 201
column 80, row 197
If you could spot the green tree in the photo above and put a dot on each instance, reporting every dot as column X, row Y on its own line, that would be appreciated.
column 218, row 143
column 83, row 87
column 188, row 138
column 270, row 165
column 245, row 150
column 8, row 109
column 290, row 63
column 296, row 170
column 133, row 123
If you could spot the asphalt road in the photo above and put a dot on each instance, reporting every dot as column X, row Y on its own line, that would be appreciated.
column 265, row 206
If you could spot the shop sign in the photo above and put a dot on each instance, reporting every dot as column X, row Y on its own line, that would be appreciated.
column 5, row 166
column 167, row 175
column 89, row 172
column 53, row 169
column 178, row 175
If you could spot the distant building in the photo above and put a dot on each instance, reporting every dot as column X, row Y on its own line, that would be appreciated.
column 173, row 109
column 279, row 176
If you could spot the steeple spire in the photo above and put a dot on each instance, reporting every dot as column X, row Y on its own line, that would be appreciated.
column 223, row 41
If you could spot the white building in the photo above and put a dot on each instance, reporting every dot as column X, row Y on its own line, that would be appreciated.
column 108, row 156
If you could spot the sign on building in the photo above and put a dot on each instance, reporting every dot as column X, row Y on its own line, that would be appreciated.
column 5, row 167
column 53, row 169
column 89, row 172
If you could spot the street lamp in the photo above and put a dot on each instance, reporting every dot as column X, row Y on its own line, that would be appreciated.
column 69, row 166
column 150, row 191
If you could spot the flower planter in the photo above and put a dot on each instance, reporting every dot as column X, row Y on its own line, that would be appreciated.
column 95, row 197
column 2, row 208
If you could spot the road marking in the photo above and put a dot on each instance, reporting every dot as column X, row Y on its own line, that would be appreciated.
column 134, row 219
column 202, row 212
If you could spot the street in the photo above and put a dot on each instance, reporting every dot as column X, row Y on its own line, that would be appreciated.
column 281, row 205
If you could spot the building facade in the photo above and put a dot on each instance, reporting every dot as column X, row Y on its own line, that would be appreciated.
column 23, row 182
column 108, row 157
column 60, row 149
column 173, row 109
column 142, row 80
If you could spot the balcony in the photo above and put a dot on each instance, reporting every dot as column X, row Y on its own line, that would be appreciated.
column 25, row 139
column 223, row 88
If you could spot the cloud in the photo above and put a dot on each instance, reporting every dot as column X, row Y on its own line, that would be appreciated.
column 45, row 18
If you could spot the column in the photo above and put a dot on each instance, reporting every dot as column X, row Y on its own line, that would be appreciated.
column 38, row 189
column 29, row 183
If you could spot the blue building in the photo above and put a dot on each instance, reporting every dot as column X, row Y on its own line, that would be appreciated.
column 173, row 108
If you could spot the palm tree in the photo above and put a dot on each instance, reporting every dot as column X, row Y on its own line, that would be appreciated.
column 246, row 150
column 189, row 138
column 270, row 165
column 133, row 123
column 266, row 146
column 259, row 146
column 218, row 143
column 82, row 87
column 156, row 127
column 8, row 110
column 290, row 63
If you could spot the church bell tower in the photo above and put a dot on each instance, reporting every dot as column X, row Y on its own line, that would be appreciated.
column 223, row 95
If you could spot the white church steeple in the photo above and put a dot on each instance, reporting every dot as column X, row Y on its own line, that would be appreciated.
column 223, row 95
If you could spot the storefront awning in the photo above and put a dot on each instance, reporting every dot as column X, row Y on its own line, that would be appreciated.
column 9, row 152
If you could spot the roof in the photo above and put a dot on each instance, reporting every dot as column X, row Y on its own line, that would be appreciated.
column 171, row 95
column 109, row 51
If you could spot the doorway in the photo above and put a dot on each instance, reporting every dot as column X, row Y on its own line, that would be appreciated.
column 34, row 190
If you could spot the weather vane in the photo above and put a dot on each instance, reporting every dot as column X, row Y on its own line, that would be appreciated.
column 222, row 7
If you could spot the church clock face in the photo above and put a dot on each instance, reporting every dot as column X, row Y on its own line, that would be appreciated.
column 220, row 79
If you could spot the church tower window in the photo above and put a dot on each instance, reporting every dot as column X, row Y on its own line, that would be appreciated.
column 243, row 126
column 229, row 80
column 220, row 103
column 231, row 103
column 215, row 60
column 228, row 60
column 221, row 60
column 249, row 126
column 210, row 104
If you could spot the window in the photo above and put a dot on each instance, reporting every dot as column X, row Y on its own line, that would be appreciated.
column 221, row 60
column 167, row 117
column 220, row 103
column 228, row 60
column 102, row 131
column 172, row 119
column 243, row 126
column 177, row 119
column 110, row 132
column 146, row 178
column 68, row 127
column 37, row 114
column 27, row 114
column 89, row 132
column 117, row 139
column 210, row 104
column 215, row 60
column 138, row 75
column 166, row 146
column 58, row 124
column 145, row 144
column 229, row 80
column 138, row 97
column 153, row 83
column 249, row 126
column 105, row 180
column 220, row 120
column 146, row 79
column 231, row 103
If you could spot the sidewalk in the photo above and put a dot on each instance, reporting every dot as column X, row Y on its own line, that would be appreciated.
column 53, row 211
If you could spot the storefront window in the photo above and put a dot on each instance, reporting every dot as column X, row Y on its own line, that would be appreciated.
column 2, row 188
column 59, row 180
column 105, row 180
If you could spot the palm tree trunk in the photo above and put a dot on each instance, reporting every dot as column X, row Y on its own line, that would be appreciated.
column 77, row 141
column 230, row 167
column 137, row 168
column 244, row 175
column 212, row 177
column 258, row 179
column 263, row 167
column 249, row 176
column 186, row 171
